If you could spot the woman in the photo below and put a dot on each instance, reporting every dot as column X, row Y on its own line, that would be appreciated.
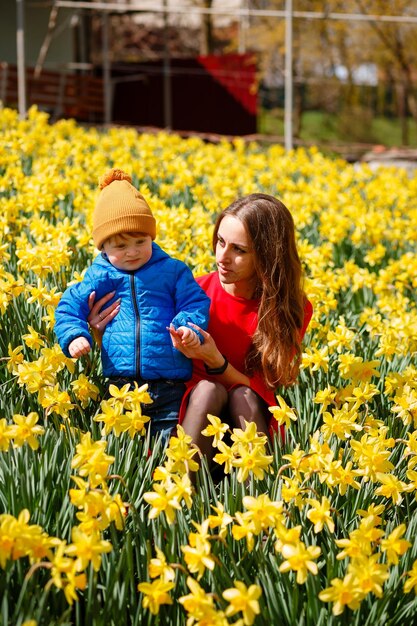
column 258, row 317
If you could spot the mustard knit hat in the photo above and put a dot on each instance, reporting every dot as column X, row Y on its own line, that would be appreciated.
column 120, row 208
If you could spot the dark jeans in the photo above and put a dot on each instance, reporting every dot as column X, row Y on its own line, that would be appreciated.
column 166, row 396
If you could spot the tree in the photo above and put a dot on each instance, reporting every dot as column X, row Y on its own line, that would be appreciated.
column 315, row 51
column 396, row 54
column 324, row 46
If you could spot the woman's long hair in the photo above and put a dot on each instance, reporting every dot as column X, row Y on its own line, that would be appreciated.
column 275, row 348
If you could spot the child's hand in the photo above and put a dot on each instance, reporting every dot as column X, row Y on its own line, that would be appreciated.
column 189, row 338
column 78, row 347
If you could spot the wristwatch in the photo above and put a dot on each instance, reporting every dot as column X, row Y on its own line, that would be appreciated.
column 217, row 370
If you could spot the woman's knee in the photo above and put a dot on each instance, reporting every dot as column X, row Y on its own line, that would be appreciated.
column 245, row 404
column 209, row 392
column 242, row 394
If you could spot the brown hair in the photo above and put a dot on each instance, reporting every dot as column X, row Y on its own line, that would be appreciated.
column 275, row 348
column 123, row 236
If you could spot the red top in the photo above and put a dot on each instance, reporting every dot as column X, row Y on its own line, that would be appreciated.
column 233, row 321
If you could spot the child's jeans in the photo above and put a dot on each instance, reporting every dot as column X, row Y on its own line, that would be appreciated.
column 163, row 411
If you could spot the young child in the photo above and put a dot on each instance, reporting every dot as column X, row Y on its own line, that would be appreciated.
column 155, row 291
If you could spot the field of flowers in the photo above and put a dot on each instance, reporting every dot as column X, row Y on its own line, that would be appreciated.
column 97, row 526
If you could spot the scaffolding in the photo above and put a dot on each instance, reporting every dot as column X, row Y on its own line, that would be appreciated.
column 242, row 13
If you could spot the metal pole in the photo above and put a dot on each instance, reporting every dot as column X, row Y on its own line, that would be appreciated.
column 243, row 27
column 188, row 10
column 288, row 76
column 20, row 50
column 167, row 74
column 106, row 70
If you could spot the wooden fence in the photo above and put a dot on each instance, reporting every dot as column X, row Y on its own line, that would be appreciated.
column 61, row 94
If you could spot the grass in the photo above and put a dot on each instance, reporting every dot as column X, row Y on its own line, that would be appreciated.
column 319, row 127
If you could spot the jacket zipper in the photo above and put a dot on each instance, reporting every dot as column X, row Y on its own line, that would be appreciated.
column 137, row 324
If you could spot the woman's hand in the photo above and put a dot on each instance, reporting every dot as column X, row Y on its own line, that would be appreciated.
column 206, row 351
column 209, row 353
column 99, row 317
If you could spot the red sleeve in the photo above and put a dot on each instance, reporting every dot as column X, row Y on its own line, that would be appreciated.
column 308, row 314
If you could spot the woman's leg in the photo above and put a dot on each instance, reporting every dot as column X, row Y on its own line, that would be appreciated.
column 246, row 405
column 206, row 397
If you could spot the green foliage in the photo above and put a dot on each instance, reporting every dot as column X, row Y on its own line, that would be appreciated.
column 327, row 128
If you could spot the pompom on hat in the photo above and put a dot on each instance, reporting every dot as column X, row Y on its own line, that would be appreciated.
column 120, row 208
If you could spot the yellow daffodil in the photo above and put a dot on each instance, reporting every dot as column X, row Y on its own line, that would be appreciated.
column 342, row 592
column 158, row 567
column 319, row 514
column 163, row 500
column 391, row 487
column 244, row 529
column 216, row 429
column 299, row 558
column 369, row 575
column 395, row 545
column 221, row 520
column 91, row 460
column 65, row 575
column 411, row 582
column 252, row 462
column 87, row 548
column 181, row 453
column 6, row 434
column 198, row 557
column 283, row 413
column 84, row 390
column 26, row 430
column 316, row 359
column 155, row 594
column 55, row 400
column 199, row 604
column 262, row 512
column 243, row 599
column 15, row 358
column 224, row 456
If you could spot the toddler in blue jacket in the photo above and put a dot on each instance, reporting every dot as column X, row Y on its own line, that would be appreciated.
column 155, row 291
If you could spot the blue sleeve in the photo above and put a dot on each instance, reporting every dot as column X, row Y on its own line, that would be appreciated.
column 72, row 312
column 192, row 303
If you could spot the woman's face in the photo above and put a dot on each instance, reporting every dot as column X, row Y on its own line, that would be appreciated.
column 235, row 257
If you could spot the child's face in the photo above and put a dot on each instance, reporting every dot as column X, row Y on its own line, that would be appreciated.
column 128, row 251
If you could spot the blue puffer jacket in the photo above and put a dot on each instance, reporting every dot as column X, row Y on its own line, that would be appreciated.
column 136, row 342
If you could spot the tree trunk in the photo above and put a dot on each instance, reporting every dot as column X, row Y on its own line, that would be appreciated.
column 409, row 96
column 402, row 111
column 298, row 109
